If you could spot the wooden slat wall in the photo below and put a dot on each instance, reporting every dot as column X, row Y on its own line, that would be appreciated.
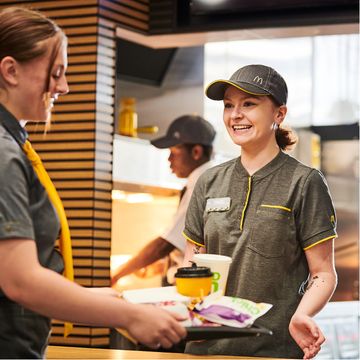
column 77, row 151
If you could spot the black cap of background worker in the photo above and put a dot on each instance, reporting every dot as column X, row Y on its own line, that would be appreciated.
column 187, row 129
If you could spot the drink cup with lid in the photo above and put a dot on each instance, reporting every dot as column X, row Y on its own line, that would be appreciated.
column 219, row 265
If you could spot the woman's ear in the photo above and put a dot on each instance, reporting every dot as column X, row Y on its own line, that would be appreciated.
column 280, row 115
column 9, row 70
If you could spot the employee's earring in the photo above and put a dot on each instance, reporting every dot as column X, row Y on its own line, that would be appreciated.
column 275, row 126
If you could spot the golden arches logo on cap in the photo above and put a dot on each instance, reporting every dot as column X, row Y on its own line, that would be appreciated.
column 253, row 79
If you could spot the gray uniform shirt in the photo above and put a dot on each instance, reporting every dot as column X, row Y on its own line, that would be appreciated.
column 264, row 222
column 25, row 209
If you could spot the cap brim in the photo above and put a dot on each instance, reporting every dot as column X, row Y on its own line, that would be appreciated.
column 165, row 142
column 216, row 89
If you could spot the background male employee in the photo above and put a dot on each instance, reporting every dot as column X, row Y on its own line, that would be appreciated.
column 190, row 140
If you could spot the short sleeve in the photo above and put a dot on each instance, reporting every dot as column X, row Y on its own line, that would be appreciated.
column 173, row 233
column 194, row 221
column 316, row 218
column 15, row 219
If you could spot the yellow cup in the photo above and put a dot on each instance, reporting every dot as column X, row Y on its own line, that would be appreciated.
column 193, row 281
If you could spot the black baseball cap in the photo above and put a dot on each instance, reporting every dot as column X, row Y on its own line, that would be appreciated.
column 187, row 129
column 253, row 79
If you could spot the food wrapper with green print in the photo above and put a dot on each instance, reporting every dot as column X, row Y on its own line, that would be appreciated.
column 230, row 311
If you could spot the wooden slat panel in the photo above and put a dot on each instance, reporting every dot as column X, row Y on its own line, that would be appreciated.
column 62, row 127
column 104, row 108
column 83, row 116
column 74, row 184
column 102, row 195
column 91, row 68
column 67, row 175
column 81, row 59
column 76, row 78
column 77, row 98
column 69, row 165
column 65, row 136
column 109, row 33
column 103, row 244
column 102, row 224
column 102, row 205
column 65, row 4
column 139, row 5
column 121, row 19
column 82, row 49
column 102, row 184
column 93, row 272
column 98, row 214
column 83, row 194
column 73, row 155
column 105, row 51
column 76, row 21
column 106, row 42
column 75, row 107
column 58, row 330
column 127, row 11
column 79, row 223
column 80, row 213
column 102, row 262
column 81, row 30
column 107, row 80
column 81, row 145
column 101, row 282
column 68, row 12
column 107, row 61
column 82, row 40
column 71, row 340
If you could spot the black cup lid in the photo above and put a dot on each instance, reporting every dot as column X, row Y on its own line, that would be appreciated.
column 193, row 271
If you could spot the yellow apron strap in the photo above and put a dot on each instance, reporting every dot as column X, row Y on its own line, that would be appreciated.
column 65, row 240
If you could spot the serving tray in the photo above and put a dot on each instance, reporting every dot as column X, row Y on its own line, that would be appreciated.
column 219, row 332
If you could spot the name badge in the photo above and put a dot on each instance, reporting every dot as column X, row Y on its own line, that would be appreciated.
column 218, row 204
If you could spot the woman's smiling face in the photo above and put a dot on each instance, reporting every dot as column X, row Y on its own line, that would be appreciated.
column 250, row 119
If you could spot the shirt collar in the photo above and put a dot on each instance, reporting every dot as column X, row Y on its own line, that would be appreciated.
column 12, row 125
column 266, row 170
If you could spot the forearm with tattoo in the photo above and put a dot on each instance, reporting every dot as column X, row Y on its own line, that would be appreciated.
column 313, row 282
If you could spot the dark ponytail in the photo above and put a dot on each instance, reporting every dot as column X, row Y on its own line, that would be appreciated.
column 285, row 138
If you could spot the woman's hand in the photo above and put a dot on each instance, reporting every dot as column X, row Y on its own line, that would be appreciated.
column 307, row 334
column 155, row 327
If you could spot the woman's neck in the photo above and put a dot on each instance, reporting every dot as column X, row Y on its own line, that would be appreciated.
column 253, row 161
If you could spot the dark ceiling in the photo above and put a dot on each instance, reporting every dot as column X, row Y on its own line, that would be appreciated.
column 202, row 15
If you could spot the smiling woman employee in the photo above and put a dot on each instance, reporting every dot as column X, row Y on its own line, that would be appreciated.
column 33, row 61
column 277, row 221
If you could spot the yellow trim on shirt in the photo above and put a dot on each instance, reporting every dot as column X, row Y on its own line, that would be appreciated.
column 276, row 207
column 320, row 241
column 246, row 204
column 191, row 240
